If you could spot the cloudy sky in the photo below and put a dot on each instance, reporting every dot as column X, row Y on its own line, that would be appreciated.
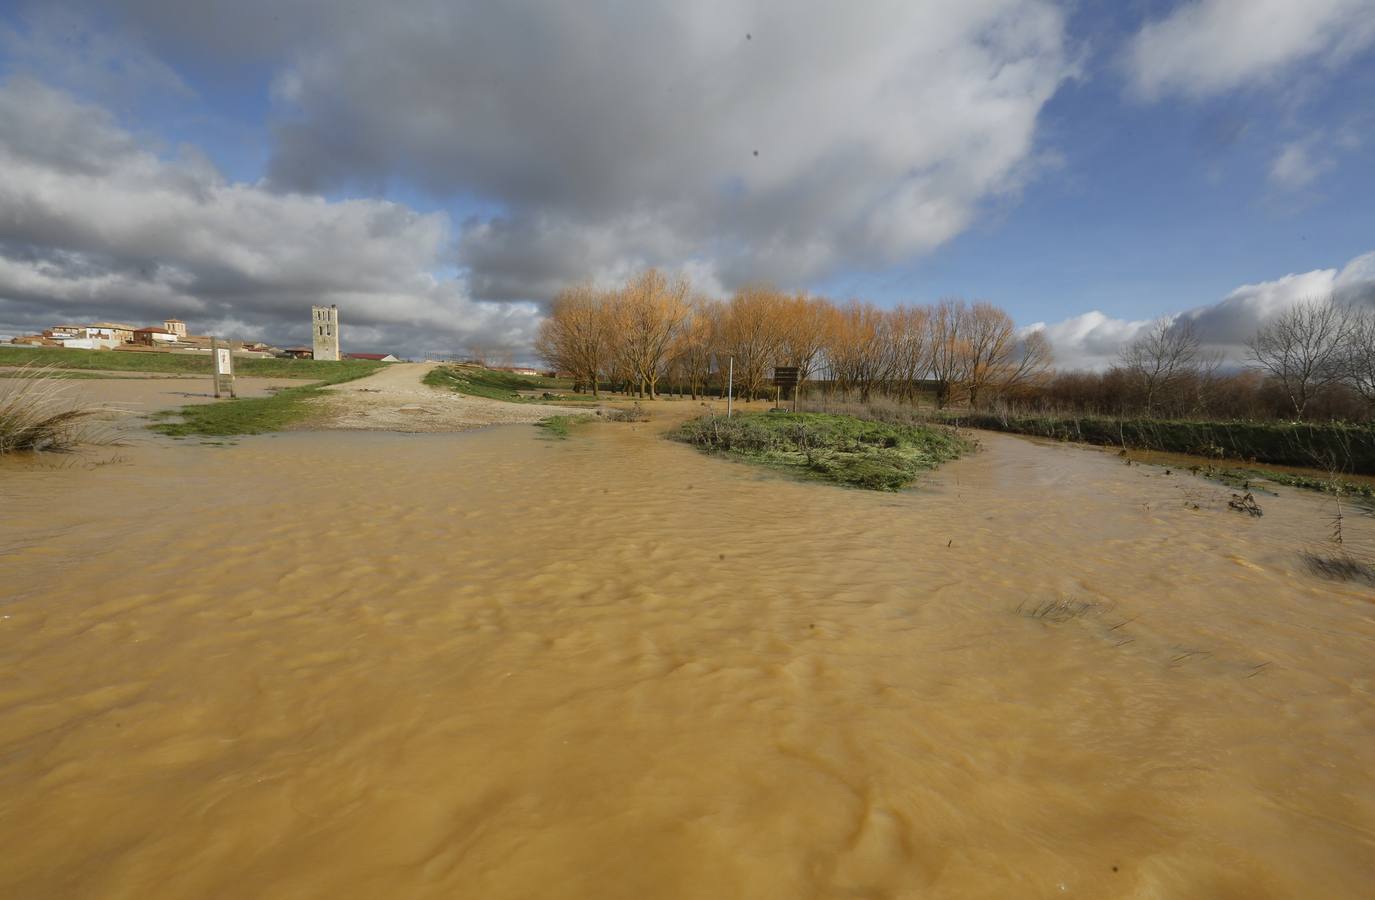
column 439, row 168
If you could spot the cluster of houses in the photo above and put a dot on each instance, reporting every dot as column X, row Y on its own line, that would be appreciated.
column 170, row 337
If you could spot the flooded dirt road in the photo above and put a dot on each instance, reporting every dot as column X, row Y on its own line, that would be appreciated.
column 397, row 399
column 489, row 665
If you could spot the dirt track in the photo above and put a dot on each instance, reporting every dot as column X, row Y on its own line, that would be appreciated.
column 396, row 399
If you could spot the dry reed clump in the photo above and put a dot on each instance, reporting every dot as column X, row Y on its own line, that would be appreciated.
column 35, row 414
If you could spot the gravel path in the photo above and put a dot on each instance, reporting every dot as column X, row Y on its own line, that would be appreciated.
column 396, row 399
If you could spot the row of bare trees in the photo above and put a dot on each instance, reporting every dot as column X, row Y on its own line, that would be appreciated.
column 655, row 331
column 1316, row 358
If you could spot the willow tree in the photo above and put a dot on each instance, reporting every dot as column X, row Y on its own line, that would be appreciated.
column 909, row 336
column 990, row 343
column 576, row 337
column 693, row 349
column 948, row 322
column 858, row 347
column 751, row 333
column 650, row 314
column 805, row 322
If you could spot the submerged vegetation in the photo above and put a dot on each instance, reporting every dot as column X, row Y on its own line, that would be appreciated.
column 36, row 415
column 842, row 449
column 556, row 427
column 256, row 415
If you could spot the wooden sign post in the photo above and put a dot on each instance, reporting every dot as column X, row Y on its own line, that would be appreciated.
column 787, row 377
column 222, row 364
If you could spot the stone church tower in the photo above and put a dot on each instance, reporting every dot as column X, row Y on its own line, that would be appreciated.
column 326, row 331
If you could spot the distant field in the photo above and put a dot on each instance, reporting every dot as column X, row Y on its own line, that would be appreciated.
column 181, row 363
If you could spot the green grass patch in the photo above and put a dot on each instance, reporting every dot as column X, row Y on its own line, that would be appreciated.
column 181, row 363
column 556, row 428
column 1245, row 477
column 254, row 415
column 506, row 386
column 845, row 450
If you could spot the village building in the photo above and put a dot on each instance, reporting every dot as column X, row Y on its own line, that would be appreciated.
column 299, row 352
column 113, row 330
column 375, row 357
column 152, row 336
column 176, row 326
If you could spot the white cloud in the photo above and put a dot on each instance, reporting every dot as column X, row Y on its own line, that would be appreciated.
column 762, row 140
column 1297, row 166
column 1092, row 340
column 95, row 225
column 1207, row 47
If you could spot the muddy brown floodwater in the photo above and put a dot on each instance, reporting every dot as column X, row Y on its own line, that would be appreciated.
column 489, row 665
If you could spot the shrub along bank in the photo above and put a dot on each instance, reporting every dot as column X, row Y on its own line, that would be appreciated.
column 841, row 449
column 1330, row 445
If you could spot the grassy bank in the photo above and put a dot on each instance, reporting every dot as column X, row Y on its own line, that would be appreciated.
column 257, row 415
column 1347, row 448
column 505, row 386
column 841, row 449
column 176, row 363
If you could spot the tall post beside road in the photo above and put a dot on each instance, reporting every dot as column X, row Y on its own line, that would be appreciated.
column 730, row 387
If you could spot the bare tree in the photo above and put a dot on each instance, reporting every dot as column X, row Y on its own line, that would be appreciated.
column 1160, row 359
column 1359, row 358
column 696, row 341
column 991, row 343
column 1030, row 365
column 858, row 348
column 1304, row 349
column 651, row 311
column 909, row 334
column 751, row 333
column 805, row 323
column 576, row 337
column 950, row 355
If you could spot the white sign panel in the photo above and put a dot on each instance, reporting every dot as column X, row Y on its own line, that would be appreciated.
column 222, row 362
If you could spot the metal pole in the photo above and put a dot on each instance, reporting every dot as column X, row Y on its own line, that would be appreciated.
column 730, row 388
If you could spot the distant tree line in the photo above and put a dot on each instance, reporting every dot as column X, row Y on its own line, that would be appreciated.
column 654, row 333
column 1312, row 361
